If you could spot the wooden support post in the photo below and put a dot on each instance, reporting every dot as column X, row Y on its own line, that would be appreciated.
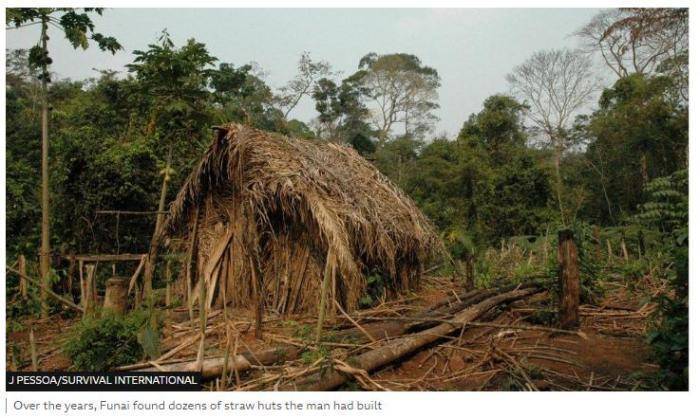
column 324, row 296
column 623, row 248
column 22, row 266
column 569, row 282
column 88, row 301
column 610, row 251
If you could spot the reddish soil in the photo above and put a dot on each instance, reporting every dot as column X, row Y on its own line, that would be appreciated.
column 611, row 357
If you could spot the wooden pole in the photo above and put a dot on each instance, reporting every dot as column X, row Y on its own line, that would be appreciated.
column 32, row 349
column 49, row 292
column 258, row 296
column 610, row 251
column 153, row 248
column 45, row 252
column 569, row 281
column 188, row 262
column 324, row 295
column 22, row 266
column 88, row 301
column 623, row 247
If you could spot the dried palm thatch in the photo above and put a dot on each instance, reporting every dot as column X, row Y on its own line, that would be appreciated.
column 289, row 210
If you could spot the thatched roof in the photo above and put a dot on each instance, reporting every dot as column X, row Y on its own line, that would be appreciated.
column 360, row 216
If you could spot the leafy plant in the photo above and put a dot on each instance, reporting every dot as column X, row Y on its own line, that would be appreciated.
column 100, row 344
column 667, row 209
column 311, row 356
column 374, row 289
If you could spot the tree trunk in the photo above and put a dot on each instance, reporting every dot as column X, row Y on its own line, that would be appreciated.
column 387, row 328
column 44, row 254
column 469, row 271
column 641, row 244
column 568, row 281
column 557, row 177
column 644, row 168
column 398, row 348
column 596, row 238
column 153, row 248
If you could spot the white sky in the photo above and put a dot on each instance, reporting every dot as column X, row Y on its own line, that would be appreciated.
column 472, row 49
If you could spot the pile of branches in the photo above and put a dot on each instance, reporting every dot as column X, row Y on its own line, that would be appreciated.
column 471, row 340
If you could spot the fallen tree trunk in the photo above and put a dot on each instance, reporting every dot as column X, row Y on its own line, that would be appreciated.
column 386, row 329
column 213, row 368
column 399, row 348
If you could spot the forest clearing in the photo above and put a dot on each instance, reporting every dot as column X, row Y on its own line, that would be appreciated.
column 178, row 217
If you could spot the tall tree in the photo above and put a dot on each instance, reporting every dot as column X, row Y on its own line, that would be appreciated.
column 342, row 114
column 499, row 127
column 241, row 95
column 641, row 132
column 303, row 84
column 555, row 84
column 640, row 40
column 78, row 28
column 176, row 80
column 399, row 90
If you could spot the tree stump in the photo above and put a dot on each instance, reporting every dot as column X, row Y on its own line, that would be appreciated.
column 116, row 293
column 569, row 282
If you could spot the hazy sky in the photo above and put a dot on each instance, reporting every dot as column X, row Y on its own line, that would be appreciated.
column 472, row 49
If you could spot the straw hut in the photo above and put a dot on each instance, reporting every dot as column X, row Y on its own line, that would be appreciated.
column 265, row 211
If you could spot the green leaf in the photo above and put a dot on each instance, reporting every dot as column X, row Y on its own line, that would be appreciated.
column 150, row 341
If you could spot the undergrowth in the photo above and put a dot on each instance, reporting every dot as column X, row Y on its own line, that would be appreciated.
column 105, row 342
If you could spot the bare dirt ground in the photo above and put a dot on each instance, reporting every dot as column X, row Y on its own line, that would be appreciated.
column 609, row 353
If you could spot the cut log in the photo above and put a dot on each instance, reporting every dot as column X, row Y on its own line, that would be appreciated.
column 387, row 329
column 401, row 347
column 212, row 368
